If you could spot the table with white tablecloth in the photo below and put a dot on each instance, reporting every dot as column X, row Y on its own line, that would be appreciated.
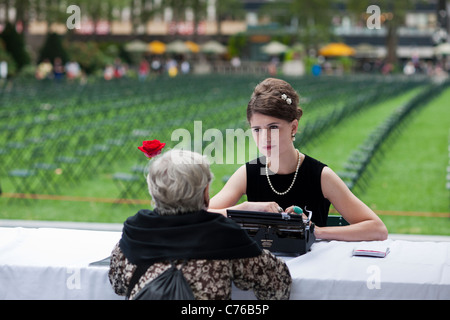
column 51, row 263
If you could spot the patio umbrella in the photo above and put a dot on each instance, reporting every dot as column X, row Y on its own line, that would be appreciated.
column 337, row 50
column 193, row 47
column 177, row 46
column 156, row 47
column 274, row 48
column 136, row 46
column 442, row 49
column 213, row 47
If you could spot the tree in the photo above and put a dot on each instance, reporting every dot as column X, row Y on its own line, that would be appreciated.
column 148, row 9
column 309, row 20
column 394, row 16
column 179, row 8
column 227, row 8
column 98, row 10
column 199, row 9
column 88, row 55
column 236, row 43
column 6, row 57
column 54, row 11
column 53, row 48
column 15, row 45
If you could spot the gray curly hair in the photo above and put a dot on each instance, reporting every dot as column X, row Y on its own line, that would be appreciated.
column 177, row 180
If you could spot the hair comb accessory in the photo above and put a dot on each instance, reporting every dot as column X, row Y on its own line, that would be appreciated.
column 285, row 98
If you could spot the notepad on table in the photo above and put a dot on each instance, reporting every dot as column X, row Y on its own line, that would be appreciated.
column 371, row 250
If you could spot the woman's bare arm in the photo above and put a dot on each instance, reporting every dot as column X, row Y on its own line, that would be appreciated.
column 364, row 223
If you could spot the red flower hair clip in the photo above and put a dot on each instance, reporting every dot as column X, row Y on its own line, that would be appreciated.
column 151, row 148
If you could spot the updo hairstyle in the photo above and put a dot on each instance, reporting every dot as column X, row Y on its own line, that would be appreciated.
column 275, row 98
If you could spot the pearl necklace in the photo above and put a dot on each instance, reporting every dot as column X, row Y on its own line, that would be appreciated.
column 293, row 181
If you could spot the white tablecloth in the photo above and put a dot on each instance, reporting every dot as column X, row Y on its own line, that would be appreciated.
column 412, row 270
column 49, row 263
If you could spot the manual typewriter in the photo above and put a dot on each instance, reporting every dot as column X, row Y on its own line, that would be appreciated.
column 282, row 234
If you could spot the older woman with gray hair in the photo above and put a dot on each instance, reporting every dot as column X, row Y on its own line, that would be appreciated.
column 210, row 250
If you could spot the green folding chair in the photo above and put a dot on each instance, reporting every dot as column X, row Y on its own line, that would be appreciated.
column 129, row 185
column 46, row 177
column 23, row 181
column 336, row 221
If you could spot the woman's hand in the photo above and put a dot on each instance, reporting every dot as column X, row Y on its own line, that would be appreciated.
column 291, row 210
column 252, row 206
column 263, row 206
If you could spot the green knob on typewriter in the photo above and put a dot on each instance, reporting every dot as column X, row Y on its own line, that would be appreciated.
column 298, row 210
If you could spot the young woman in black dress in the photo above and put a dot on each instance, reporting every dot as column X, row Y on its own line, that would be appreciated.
column 284, row 179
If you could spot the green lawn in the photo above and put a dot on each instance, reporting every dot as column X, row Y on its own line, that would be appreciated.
column 334, row 147
column 410, row 173
column 409, row 176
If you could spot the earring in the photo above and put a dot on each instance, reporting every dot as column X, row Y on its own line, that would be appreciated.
column 293, row 137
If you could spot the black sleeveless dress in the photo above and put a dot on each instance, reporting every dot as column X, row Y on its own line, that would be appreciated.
column 305, row 193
